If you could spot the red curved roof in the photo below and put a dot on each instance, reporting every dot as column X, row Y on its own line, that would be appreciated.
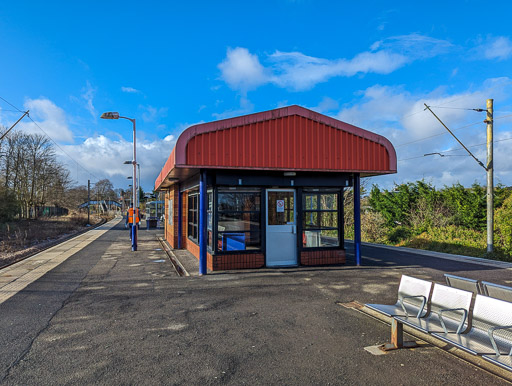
column 290, row 138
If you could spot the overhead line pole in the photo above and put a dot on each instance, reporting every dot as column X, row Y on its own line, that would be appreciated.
column 490, row 177
column 489, row 168
column 7, row 132
column 88, row 202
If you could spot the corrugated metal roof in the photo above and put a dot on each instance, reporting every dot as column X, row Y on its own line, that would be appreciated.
column 290, row 138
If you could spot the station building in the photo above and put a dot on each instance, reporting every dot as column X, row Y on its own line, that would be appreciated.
column 266, row 189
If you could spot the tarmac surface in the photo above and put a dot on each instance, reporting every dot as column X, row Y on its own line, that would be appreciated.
column 107, row 315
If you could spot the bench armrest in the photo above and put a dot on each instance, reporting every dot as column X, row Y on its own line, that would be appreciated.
column 462, row 321
column 423, row 302
column 490, row 332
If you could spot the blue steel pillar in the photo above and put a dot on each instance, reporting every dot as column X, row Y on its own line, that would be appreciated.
column 180, row 216
column 357, row 218
column 202, row 223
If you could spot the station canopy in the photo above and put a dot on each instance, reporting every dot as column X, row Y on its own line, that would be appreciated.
column 291, row 139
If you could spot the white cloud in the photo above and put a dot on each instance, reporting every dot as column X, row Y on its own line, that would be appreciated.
column 49, row 117
column 399, row 115
column 414, row 46
column 297, row 71
column 104, row 157
column 243, row 71
column 499, row 48
column 88, row 95
column 130, row 90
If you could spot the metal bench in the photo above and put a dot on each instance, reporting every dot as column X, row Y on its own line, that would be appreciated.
column 413, row 296
column 462, row 283
column 491, row 329
column 497, row 291
column 449, row 310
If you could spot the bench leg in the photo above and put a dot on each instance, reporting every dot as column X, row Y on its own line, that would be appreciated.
column 397, row 338
column 397, row 334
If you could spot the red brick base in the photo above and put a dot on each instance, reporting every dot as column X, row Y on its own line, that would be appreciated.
column 257, row 260
column 241, row 261
column 323, row 257
column 231, row 261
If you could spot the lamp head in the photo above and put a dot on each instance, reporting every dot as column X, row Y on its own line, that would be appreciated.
column 110, row 115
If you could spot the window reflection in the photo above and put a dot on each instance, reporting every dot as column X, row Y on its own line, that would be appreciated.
column 320, row 220
column 239, row 220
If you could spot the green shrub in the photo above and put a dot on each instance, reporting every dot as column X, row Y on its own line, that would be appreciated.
column 373, row 228
column 398, row 234
column 503, row 226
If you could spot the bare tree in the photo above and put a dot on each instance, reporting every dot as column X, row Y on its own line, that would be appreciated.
column 30, row 172
column 104, row 190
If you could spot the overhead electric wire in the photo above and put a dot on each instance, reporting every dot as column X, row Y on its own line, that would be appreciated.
column 51, row 139
column 65, row 152
column 458, row 108
column 449, row 151
column 457, row 99
column 437, row 135
column 444, row 133
column 10, row 104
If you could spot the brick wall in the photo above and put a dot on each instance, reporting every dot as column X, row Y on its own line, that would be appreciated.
column 231, row 261
column 238, row 261
column 325, row 257
column 171, row 231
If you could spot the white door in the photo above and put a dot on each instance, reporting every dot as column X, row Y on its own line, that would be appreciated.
column 281, row 229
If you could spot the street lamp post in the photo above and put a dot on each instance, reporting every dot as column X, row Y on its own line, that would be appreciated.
column 115, row 115
column 140, row 181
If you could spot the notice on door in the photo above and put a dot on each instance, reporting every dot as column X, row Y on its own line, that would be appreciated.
column 279, row 206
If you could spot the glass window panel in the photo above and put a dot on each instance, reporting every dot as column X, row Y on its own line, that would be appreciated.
column 281, row 208
column 320, row 238
column 320, row 220
column 253, row 240
column 239, row 241
column 310, row 220
column 329, row 238
column 238, row 221
column 210, row 201
column 239, row 201
column 329, row 219
column 311, row 239
column 209, row 221
column 329, row 201
column 310, row 201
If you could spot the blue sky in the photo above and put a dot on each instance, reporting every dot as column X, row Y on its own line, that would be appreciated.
column 173, row 64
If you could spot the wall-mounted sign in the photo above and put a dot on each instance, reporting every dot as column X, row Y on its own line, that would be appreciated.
column 279, row 206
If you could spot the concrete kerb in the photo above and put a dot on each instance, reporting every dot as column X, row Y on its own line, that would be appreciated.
column 180, row 269
column 441, row 255
column 445, row 347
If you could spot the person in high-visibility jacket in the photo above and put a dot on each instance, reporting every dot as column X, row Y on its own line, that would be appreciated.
column 130, row 216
